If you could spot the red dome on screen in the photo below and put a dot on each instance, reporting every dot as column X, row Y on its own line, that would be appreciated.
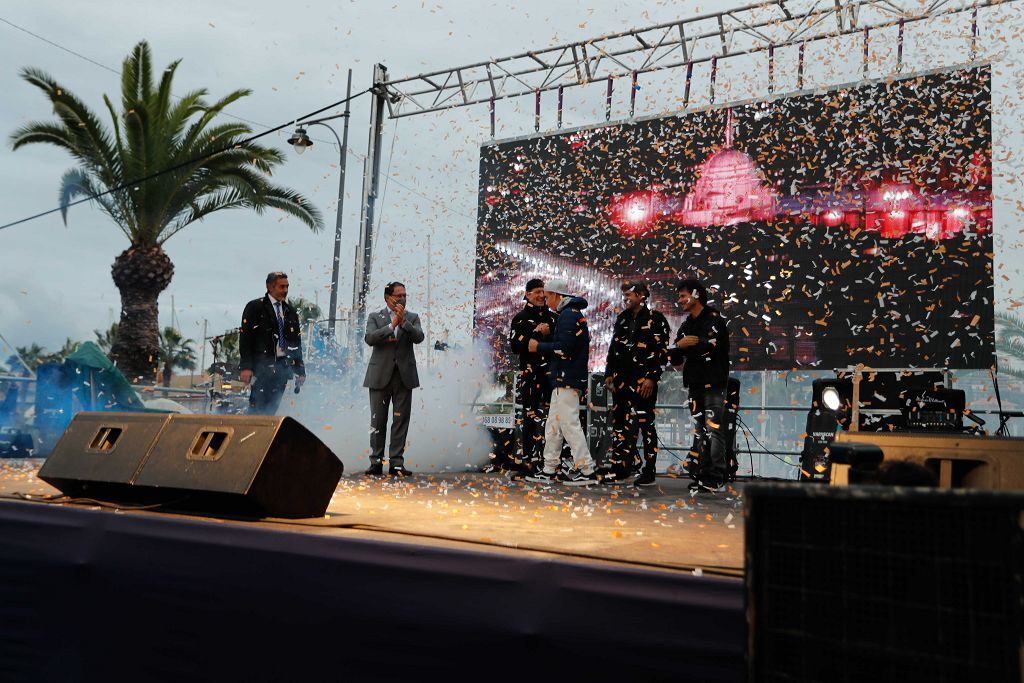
column 730, row 189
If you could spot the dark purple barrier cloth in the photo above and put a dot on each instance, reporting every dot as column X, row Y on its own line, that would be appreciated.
column 97, row 595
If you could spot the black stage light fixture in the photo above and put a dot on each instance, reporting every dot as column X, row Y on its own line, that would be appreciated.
column 831, row 399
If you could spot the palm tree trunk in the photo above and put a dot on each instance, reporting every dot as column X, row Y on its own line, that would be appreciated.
column 140, row 274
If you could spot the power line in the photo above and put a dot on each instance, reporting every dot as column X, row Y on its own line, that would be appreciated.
column 104, row 66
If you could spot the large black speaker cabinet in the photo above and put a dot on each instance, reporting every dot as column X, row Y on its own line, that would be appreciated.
column 235, row 464
column 883, row 584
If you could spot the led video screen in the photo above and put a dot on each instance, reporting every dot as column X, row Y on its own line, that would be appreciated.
column 834, row 228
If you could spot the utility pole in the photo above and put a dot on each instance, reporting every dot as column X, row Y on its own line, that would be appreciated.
column 202, row 355
column 430, row 316
column 332, row 323
column 371, row 178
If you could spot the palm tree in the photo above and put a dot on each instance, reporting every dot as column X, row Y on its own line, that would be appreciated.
column 32, row 356
column 1010, row 343
column 163, row 165
column 105, row 339
column 306, row 309
column 70, row 346
column 225, row 347
column 175, row 352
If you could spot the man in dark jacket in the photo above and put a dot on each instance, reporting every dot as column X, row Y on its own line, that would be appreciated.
column 569, row 354
column 636, row 357
column 270, row 344
column 533, row 388
column 702, row 343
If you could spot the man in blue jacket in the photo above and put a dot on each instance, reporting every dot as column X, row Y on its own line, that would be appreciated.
column 569, row 351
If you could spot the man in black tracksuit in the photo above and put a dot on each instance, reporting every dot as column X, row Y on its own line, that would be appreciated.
column 636, row 357
column 702, row 343
column 533, row 386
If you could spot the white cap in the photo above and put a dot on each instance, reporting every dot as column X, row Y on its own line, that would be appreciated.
column 558, row 286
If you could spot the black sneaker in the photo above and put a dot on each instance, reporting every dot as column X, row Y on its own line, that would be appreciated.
column 611, row 477
column 541, row 477
column 706, row 487
column 375, row 470
column 577, row 478
column 645, row 479
column 525, row 470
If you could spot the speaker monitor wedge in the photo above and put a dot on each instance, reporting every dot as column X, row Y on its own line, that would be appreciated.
column 251, row 465
column 958, row 460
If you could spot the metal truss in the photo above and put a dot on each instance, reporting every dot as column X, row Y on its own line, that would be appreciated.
column 707, row 38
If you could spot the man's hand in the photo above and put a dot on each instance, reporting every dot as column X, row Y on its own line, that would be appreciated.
column 542, row 328
column 245, row 376
column 609, row 381
column 646, row 388
column 688, row 341
column 399, row 315
column 532, row 345
column 300, row 380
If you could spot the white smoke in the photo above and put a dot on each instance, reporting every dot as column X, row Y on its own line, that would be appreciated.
column 444, row 430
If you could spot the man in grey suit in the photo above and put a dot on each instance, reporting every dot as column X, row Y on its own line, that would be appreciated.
column 391, row 376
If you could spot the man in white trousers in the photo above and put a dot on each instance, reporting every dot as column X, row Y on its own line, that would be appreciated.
column 569, row 351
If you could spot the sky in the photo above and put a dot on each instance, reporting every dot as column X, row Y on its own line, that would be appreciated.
column 57, row 277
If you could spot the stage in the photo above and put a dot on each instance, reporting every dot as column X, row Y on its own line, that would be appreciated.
column 455, row 569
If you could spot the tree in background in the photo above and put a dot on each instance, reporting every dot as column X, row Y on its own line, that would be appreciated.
column 163, row 165
column 306, row 309
column 226, row 355
column 32, row 356
column 175, row 352
column 105, row 339
column 1010, row 343
column 35, row 355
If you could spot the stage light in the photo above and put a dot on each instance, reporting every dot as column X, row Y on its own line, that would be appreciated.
column 833, row 218
column 830, row 397
column 636, row 213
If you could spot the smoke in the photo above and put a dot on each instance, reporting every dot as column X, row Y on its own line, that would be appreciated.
column 444, row 430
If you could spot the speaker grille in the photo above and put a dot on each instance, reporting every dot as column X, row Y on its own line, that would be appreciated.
column 882, row 584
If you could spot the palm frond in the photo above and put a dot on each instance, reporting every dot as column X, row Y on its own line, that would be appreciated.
column 295, row 205
column 198, row 165
column 91, row 141
column 1007, row 369
column 1013, row 322
column 78, row 183
column 1013, row 347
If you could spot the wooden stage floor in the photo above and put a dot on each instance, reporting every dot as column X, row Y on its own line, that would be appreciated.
column 663, row 526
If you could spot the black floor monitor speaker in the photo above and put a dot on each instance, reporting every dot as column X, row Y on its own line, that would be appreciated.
column 234, row 464
column 883, row 584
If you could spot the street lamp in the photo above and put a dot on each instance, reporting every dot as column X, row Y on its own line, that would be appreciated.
column 300, row 141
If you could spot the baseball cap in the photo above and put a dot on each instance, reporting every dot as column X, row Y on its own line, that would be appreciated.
column 558, row 286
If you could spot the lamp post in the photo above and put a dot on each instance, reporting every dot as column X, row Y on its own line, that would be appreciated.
column 300, row 142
